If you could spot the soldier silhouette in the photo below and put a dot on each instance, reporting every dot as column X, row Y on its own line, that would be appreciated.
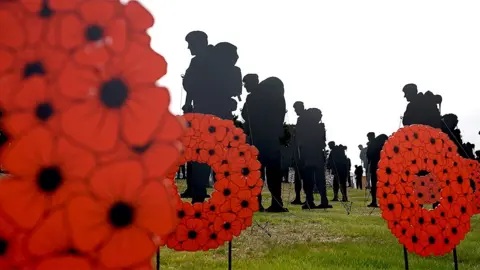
column 299, row 108
column 374, row 150
column 422, row 108
column 449, row 127
column 358, row 176
column 311, row 139
column 211, row 81
column 477, row 153
column 250, row 82
column 266, row 114
column 337, row 163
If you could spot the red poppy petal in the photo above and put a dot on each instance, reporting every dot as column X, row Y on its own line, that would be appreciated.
column 77, row 83
column 138, row 17
column 92, row 126
column 50, row 236
column 159, row 159
column 11, row 29
column 92, row 55
column 87, row 233
column 120, row 180
column 155, row 211
column 76, row 162
column 17, row 123
column 70, row 31
column 33, row 92
column 148, row 105
column 117, row 31
column 66, row 262
column 127, row 247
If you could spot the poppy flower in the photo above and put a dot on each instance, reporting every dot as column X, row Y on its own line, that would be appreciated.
column 192, row 234
column 224, row 190
column 227, row 225
column 211, row 153
column 47, row 171
column 193, row 121
column 235, row 138
column 210, row 211
column 92, row 35
column 213, row 129
column 388, row 171
column 10, row 244
column 246, row 173
column 139, row 19
column 243, row 151
column 394, row 151
column 111, row 103
column 121, row 215
column 33, row 105
column 393, row 209
column 213, row 241
column 159, row 154
column 244, row 204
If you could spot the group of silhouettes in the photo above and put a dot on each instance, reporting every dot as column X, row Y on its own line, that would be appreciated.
column 214, row 84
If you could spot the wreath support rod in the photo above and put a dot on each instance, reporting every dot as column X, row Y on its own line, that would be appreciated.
column 230, row 255
column 405, row 257
column 455, row 259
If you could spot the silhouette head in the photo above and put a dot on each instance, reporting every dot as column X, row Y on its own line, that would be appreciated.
column 331, row 145
column 360, row 147
column 477, row 153
column 315, row 114
column 371, row 136
column 410, row 90
column 197, row 42
column 250, row 81
column 227, row 52
column 438, row 99
column 381, row 139
column 299, row 107
column 450, row 120
column 273, row 85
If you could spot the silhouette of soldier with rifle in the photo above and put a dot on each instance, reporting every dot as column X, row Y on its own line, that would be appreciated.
column 211, row 81
column 338, row 164
column 374, row 149
column 299, row 108
column 266, row 114
column 422, row 108
column 250, row 82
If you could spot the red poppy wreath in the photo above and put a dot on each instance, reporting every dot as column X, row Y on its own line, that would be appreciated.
column 221, row 145
column 422, row 154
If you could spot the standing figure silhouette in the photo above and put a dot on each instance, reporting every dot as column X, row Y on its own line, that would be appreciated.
column 299, row 108
column 211, row 81
column 374, row 150
column 338, row 164
column 422, row 108
column 266, row 115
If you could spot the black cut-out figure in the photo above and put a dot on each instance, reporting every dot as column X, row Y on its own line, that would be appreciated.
column 299, row 108
column 371, row 140
column 449, row 127
column 358, row 176
column 349, row 177
column 311, row 138
column 477, row 153
column 422, row 108
column 469, row 148
column 338, row 164
column 266, row 115
column 373, row 153
column 211, row 81
column 251, row 84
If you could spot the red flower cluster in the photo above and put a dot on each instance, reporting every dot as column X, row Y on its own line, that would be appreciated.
column 221, row 145
column 415, row 151
column 474, row 177
column 91, row 137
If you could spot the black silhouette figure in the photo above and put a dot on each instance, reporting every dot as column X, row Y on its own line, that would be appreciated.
column 422, row 108
column 373, row 154
column 349, row 165
column 358, row 176
column 211, row 81
column 469, row 148
column 299, row 108
column 449, row 126
column 477, row 153
column 338, row 164
column 311, row 141
column 265, row 117
column 251, row 83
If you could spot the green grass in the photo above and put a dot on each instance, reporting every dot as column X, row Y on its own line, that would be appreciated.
column 319, row 239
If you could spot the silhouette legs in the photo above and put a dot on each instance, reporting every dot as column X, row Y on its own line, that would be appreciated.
column 298, row 187
column 373, row 178
column 342, row 180
column 188, row 191
column 199, row 181
column 358, row 180
column 336, row 187
column 315, row 176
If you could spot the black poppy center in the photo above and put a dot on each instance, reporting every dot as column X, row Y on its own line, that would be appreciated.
column 244, row 204
column 390, row 206
column 212, row 129
column 49, row 179
column 211, row 152
column 141, row 149
column 431, row 240
column 213, row 236
column 414, row 239
column 198, row 215
column 227, row 192
column 435, row 162
column 33, row 68
column 463, row 209
column 423, row 173
column 396, row 149
column 433, row 221
column 420, row 195
column 460, row 180
column 241, row 154
column 227, row 226
column 94, row 33
column 212, row 208
column 415, row 135
column 446, row 241
column 432, row 140
column 388, row 170
column 454, row 230
column 192, row 234
column 450, row 199
column 114, row 93
column 245, row 171
column 72, row 251
column 236, row 137
column 121, row 215
column 181, row 214
column 224, row 162
column 421, row 220
column 226, row 174
column 3, row 247
column 404, row 231
column 44, row 111
column 46, row 11
column 189, row 124
column 414, row 161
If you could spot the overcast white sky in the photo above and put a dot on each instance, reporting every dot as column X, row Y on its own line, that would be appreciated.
column 348, row 58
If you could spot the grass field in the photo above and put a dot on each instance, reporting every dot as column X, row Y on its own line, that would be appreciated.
column 319, row 239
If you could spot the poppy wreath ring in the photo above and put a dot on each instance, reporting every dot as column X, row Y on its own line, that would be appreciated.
column 417, row 153
column 218, row 143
